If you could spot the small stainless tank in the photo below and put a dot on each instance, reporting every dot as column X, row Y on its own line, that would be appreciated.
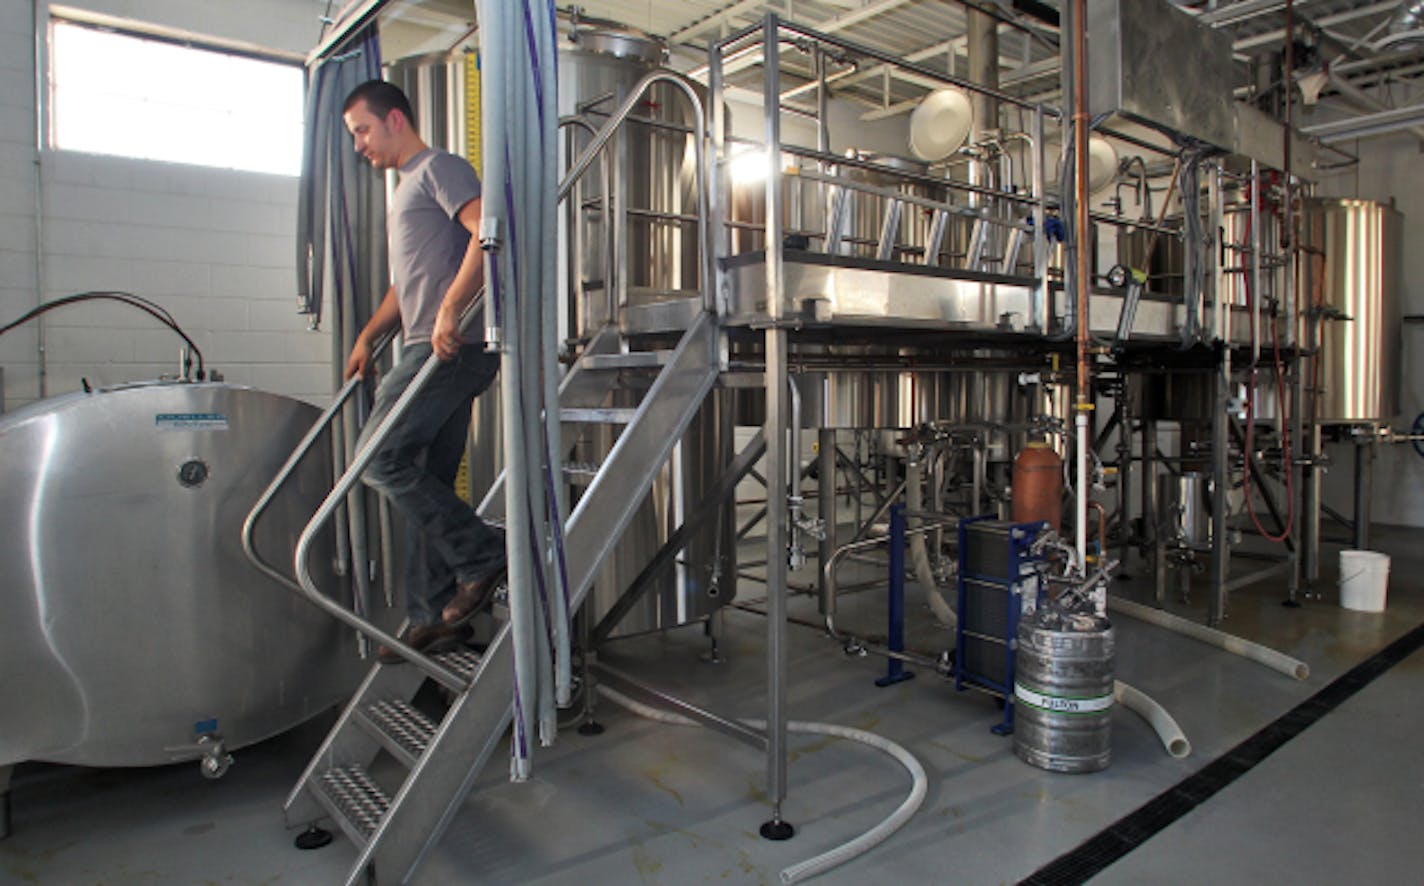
column 1186, row 512
column 1063, row 691
column 1360, row 288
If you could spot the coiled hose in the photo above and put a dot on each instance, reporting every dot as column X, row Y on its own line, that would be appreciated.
column 846, row 851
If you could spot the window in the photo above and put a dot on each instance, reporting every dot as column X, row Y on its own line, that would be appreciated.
column 134, row 96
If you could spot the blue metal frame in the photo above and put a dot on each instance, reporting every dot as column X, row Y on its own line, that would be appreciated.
column 1020, row 538
column 895, row 671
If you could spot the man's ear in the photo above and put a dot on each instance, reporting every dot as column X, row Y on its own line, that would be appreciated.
column 397, row 120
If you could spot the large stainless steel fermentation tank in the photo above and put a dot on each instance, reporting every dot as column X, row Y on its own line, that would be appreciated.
column 133, row 624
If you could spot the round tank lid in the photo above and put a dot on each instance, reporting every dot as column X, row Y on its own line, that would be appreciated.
column 619, row 42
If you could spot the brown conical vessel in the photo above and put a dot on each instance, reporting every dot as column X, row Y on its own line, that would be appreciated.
column 1038, row 485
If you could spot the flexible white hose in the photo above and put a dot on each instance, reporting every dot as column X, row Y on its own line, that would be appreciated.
column 919, row 551
column 1271, row 658
column 846, row 851
column 1143, row 705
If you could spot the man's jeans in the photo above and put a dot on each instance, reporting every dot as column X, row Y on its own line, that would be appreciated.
column 445, row 541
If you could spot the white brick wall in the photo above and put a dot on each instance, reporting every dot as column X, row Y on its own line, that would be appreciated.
column 214, row 247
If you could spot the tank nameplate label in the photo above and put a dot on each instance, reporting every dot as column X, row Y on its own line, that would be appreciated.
column 190, row 421
column 1060, row 704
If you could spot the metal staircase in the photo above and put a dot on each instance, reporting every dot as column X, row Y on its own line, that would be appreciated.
column 393, row 830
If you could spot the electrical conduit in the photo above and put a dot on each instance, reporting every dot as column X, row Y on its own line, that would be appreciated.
column 846, row 851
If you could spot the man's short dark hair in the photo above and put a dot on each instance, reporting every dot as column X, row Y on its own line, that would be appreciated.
column 382, row 98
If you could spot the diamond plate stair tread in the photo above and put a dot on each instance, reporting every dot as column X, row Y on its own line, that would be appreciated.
column 407, row 727
column 355, row 797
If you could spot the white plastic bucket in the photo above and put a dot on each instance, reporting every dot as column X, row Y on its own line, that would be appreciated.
column 1364, row 578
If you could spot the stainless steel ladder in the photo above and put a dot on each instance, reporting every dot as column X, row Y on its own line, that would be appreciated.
column 394, row 830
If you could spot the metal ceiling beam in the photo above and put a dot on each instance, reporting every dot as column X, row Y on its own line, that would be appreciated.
column 350, row 23
column 1379, row 123
column 1325, row 21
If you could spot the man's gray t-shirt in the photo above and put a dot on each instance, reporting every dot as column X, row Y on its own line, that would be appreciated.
column 427, row 241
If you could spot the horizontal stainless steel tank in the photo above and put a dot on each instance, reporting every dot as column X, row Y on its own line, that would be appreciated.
column 1360, row 291
column 133, row 623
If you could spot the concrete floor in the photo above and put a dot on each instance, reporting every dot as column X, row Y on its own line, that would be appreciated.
column 656, row 804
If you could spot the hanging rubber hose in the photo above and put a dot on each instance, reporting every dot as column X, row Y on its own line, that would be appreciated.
column 1251, row 416
column 153, row 309
column 1271, row 658
column 919, row 551
column 846, row 851
column 1142, row 704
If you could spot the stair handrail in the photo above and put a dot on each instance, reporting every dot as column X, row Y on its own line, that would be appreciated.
column 619, row 116
column 432, row 668
column 249, row 526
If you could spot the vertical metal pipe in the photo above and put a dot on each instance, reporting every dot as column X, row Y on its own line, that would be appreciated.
column 826, row 501
column 38, row 13
column 1041, row 250
column 1364, row 482
column 775, row 430
column 1221, row 477
column 1152, row 511
column 717, row 235
column 982, row 48
column 1082, row 237
column 1310, row 541
column 1220, row 316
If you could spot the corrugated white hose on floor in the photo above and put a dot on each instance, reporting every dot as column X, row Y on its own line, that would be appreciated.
column 1142, row 704
column 846, row 851
column 1271, row 658
column 919, row 552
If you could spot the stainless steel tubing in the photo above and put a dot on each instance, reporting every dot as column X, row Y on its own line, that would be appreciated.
column 585, row 159
column 249, row 546
column 828, row 569
column 442, row 675
column 929, row 73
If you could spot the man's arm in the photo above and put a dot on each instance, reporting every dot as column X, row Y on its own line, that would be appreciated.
column 446, row 339
column 386, row 318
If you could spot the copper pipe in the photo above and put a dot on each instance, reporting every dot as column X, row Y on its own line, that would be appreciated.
column 1084, row 403
column 1102, row 523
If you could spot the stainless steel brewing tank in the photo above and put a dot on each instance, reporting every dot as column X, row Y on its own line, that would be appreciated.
column 703, row 576
column 132, row 620
column 1359, row 274
column 653, row 173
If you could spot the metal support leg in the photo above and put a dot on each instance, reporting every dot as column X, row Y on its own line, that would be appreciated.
column 826, row 491
column 895, row 668
column 776, row 455
column 590, row 725
column 1364, row 483
column 1221, row 481
column 1151, row 512
column 1310, row 540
